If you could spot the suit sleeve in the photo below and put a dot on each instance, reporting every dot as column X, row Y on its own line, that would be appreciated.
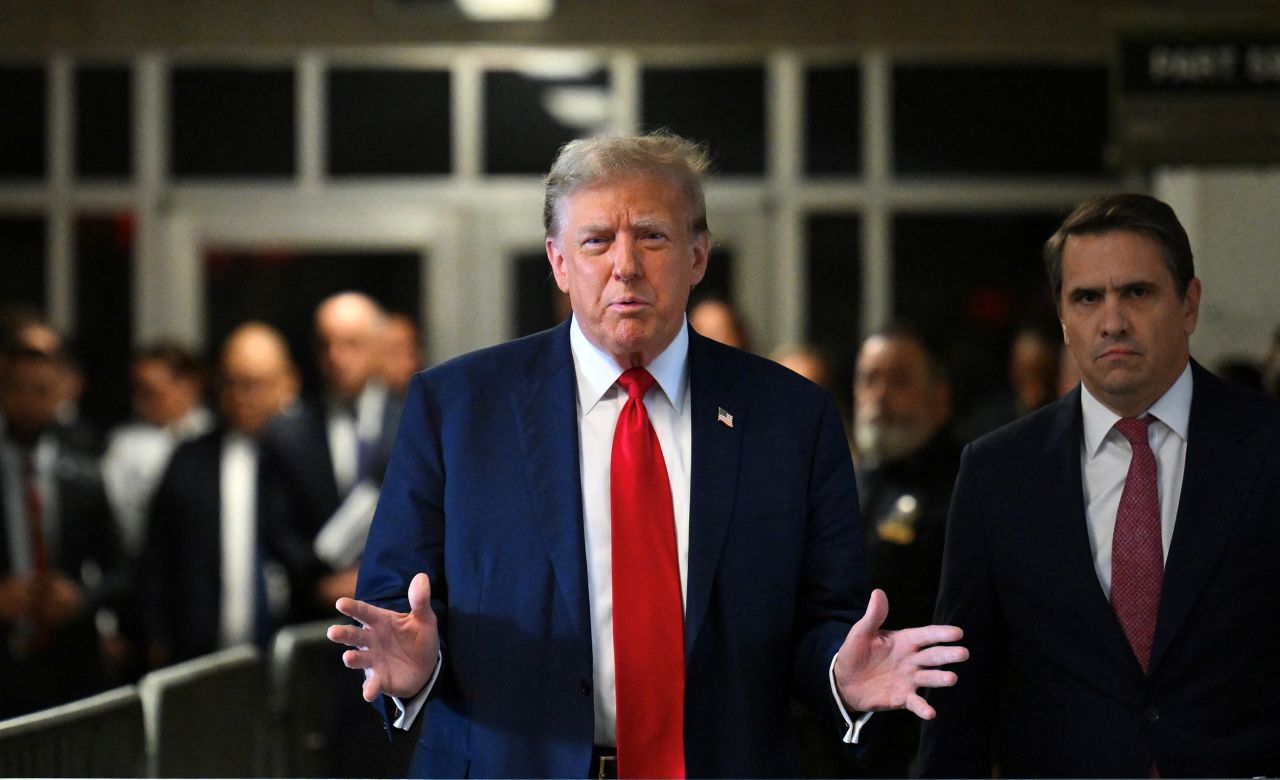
column 408, row 531
column 833, row 588
column 959, row 741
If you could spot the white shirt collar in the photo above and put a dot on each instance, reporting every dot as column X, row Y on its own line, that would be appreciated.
column 1173, row 409
column 597, row 371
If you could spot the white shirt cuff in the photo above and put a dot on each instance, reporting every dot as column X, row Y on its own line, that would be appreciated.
column 853, row 728
column 407, row 710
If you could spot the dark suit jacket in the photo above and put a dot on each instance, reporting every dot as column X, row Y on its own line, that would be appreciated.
column 299, row 491
column 1052, row 687
column 484, row 494
column 87, row 550
column 183, row 556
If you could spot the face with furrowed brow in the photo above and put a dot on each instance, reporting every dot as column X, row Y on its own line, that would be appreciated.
column 628, row 255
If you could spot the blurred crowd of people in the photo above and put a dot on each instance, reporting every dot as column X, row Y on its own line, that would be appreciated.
column 191, row 528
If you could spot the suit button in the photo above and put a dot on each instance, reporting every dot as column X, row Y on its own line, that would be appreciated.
column 584, row 685
column 1151, row 714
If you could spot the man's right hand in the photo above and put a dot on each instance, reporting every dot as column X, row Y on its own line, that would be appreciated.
column 396, row 650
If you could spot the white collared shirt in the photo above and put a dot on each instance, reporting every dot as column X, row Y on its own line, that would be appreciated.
column 1104, row 464
column 346, row 431
column 239, row 537
column 600, row 401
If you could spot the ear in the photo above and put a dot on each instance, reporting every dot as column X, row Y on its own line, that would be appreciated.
column 559, row 265
column 701, row 254
column 1191, row 306
column 1066, row 340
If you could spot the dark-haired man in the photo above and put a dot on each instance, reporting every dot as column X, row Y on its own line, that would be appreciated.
column 1112, row 557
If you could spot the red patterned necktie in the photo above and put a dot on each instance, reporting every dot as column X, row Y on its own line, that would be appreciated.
column 1137, row 555
column 648, row 614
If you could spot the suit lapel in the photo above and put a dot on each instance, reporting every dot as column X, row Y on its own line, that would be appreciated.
column 1066, row 557
column 544, row 403
column 715, row 456
column 1218, row 455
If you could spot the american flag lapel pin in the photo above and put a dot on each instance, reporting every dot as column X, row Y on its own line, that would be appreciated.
column 724, row 417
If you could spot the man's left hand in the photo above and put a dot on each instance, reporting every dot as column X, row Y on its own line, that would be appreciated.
column 883, row 670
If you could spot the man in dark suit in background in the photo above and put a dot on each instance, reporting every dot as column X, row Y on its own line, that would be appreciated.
column 58, row 546
column 618, row 534
column 328, row 448
column 206, row 564
column 1111, row 558
column 906, row 466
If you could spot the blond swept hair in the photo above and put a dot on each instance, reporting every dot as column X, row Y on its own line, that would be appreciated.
column 589, row 162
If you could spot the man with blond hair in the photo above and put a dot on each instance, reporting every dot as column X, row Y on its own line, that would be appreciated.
column 618, row 547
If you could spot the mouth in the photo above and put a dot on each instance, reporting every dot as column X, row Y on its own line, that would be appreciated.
column 1118, row 353
column 629, row 305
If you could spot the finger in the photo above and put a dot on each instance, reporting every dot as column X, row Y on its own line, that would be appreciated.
column 941, row 655
column 420, row 594
column 873, row 618
column 917, row 704
column 931, row 635
column 932, row 678
column 366, row 613
column 356, row 659
column 371, row 689
column 348, row 635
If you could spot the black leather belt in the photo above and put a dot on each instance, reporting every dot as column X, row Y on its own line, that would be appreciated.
column 604, row 763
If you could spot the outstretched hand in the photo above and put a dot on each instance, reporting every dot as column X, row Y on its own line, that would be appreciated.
column 882, row 670
column 396, row 650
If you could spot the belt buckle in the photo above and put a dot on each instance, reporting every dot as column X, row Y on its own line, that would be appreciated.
column 602, row 771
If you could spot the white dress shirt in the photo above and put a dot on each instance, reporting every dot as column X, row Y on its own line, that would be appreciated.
column 600, row 401
column 239, row 537
column 1104, row 461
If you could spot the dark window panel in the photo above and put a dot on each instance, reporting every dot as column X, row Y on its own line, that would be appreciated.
column 22, row 128
column 389, row 122
column 833, row 121
column 536, row 300
column 525, row 123
column 717, row 282
column 283, row 288
column 834, row 293
column 973, row 279
column 104, row 122
column 232, row 122
column 22, row 248
column 104, row 313
column 999, row 120
column 722, row 107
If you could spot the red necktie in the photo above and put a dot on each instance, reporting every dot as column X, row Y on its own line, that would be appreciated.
column 648, row 615
column 1137, row 555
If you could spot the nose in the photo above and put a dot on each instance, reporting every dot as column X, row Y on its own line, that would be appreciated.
column 626, row 258
column 1114, row 319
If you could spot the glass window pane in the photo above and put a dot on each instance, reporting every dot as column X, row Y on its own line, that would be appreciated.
column 232, row 122
column 22, row 241
column 529, row 116
column 104, row 122
column 389, row 122
column 22, row 129
column 722, row 107
column 833, row 120
column 283, row 287
column 104, row 313
column 994, row 119
column 834, row 293
column 973, row 278
column 538, row 303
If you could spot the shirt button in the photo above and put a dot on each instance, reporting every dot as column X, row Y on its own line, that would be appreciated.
column 584, row 685
column 1151, row 714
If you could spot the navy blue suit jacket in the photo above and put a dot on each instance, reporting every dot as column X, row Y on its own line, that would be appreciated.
column 1052, row 688
column 484, row 494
